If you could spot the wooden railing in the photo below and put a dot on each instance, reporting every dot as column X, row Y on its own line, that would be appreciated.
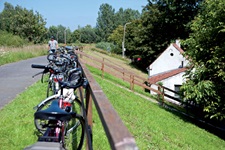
column 119, row 72
column 118, row 135
column 123, row 140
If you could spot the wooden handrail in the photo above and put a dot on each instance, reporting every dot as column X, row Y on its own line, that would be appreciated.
column 118, row 135
column 125, row 75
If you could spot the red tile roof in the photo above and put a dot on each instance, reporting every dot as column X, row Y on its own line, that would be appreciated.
column 165, row 75
column 178, row 48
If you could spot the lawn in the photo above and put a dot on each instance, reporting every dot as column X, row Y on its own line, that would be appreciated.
column 152, row 126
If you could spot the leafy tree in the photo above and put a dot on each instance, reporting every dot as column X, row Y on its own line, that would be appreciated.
column 205, row 48
column 59, row 33
column 88, row 35
column 75, row 36
column 124, row 16
column 52, row 31
column 162, row 22
column 116, row 38
column 105, row 21
column 23, row 22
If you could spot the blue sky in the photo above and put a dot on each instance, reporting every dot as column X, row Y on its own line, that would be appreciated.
column 71, row 13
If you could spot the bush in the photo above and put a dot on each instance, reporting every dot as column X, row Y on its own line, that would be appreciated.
column 105, row 45
column 8, row 39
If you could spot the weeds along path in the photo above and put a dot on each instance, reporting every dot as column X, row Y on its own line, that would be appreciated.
column 16, row 77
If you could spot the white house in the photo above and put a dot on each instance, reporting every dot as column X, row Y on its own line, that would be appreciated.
column 169, row 68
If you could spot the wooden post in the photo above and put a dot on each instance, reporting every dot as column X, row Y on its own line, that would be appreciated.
column 103, row 68
column 163, row 90
column 123, row 74
column 161, row 95
column 89, row 115
column 131, row 82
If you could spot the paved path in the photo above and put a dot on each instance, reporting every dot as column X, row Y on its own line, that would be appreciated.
column 16, row 77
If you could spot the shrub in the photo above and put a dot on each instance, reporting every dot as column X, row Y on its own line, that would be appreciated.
column 8, row 39
column 105, row 45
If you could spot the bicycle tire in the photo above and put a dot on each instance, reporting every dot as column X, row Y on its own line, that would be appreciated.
column 75, row 139
column 77, row 107
column 49, row 88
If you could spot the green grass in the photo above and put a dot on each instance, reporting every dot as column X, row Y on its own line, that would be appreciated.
column 9, row 55
column 16, row 125
column 153, row 127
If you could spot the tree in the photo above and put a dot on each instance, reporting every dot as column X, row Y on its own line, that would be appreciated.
column 88, row 35
column 124, row 16
column 116, row 38
column 205, row 48
column 75, row 36
column 105, row 21
column 162, row 22
column 23, row 22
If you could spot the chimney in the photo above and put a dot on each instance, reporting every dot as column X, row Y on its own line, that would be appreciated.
column 178, row 42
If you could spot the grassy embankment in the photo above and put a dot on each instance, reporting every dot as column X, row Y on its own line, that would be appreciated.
column 152, row 126
column 12, row 54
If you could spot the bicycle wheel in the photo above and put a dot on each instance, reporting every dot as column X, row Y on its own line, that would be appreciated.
column 49, row 88
column 76, row 107
column 39, row 122
column 75, row 132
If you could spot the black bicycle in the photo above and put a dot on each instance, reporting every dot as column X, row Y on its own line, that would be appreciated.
column 69, row 133
column 58, row 134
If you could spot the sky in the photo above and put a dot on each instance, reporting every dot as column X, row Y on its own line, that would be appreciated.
column 72, row 13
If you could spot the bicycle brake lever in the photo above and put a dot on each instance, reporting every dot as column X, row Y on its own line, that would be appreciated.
column 36, row 74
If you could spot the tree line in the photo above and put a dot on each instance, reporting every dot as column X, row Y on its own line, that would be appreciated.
column 199, row 24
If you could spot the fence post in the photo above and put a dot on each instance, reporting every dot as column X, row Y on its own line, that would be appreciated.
column 132, row 82
column 163, row 98
column 161, row 95
column 89, row 116
column 123, row 74
column 103, row 68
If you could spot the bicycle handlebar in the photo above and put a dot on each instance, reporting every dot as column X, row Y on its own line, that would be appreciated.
column 38, row 66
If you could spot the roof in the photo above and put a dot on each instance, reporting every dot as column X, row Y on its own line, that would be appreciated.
column 175, row 46
column 178, row 48
column 165, row 75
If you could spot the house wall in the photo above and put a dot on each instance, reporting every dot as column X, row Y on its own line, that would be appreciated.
column 170, row 83
column 170, row 59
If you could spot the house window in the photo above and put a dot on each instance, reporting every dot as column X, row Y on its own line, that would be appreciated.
column 177, row 89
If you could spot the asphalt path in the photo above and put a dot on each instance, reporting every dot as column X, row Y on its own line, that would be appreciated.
column 16, row 77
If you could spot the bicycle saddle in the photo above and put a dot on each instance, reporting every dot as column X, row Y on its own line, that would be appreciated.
column 54, row 112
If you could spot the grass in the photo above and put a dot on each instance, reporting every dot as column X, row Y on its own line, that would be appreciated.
column 153, row 127
column 17, row 127
column 10, row 54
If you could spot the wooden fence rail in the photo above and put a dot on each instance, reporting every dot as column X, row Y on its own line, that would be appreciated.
column 122, row 73
column 108, row 67
column 118, row 135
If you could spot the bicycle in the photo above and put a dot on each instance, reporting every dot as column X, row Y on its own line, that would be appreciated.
column 64, row 63
column 57, row 128
column 53, row 122
column 57, row 67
